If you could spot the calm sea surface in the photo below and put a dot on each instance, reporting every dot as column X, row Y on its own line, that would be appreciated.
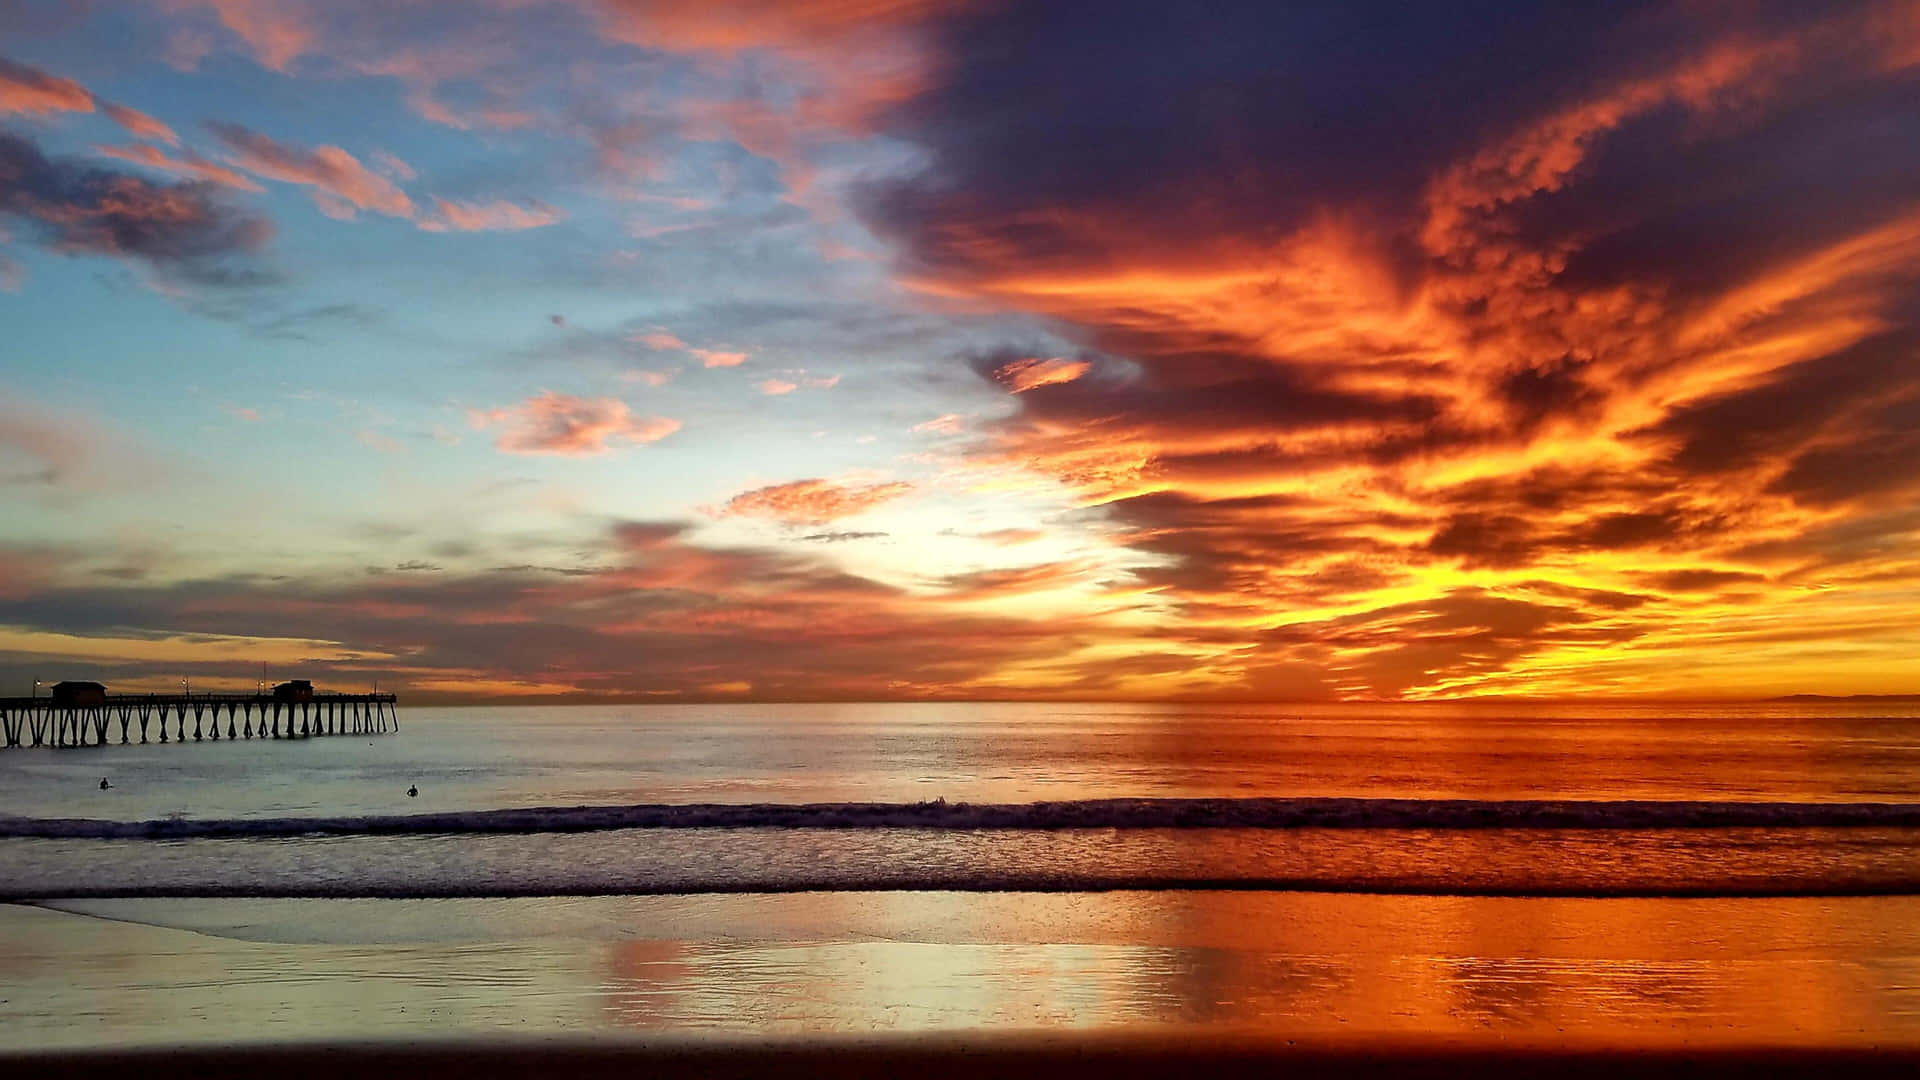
column 1647, row 934
column 473, row 760
column 482, row 758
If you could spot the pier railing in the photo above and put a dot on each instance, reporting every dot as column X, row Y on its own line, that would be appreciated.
column 47, row 722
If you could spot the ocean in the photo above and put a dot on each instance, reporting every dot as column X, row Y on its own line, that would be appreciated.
column 1492, row 869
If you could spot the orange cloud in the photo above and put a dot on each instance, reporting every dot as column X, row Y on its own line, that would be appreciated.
column 1030, row 373
column 1604, row 400
column 776, row 387
column 570, row 426
column 812, row 502
column 948, row 424
column 1012, row 537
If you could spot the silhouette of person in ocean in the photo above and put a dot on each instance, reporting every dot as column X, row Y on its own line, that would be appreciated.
column 413, row 790
column 103, row 784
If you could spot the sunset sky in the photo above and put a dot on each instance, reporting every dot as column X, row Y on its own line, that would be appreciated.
column 737, row 349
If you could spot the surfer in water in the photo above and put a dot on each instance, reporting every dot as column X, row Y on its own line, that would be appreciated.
column 103, row 784
column 413, row 790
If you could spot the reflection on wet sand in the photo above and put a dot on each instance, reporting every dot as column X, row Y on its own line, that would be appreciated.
column 1619, row 972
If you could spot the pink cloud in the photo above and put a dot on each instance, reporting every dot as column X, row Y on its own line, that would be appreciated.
column 648, row 376
column 140, row 125
column 657, row 340
column 185, row 49
column 187, row 164
column 776, row 387
column 714, row 358
column 811, row 502
column 570, row 426
column 32, row 92
column 343, row 184
column 277, row 31
column 496, row 216
column 393, row 166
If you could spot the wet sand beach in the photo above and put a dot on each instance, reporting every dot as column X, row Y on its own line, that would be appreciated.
column 909, row 980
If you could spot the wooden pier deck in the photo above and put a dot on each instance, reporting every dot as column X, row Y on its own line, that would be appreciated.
column 28, row 722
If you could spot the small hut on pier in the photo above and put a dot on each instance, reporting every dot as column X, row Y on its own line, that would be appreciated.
column 294, row 690
column 77, row 694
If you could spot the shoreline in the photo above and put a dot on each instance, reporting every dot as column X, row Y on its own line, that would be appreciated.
column 1107, row 1056
column 1265, row 813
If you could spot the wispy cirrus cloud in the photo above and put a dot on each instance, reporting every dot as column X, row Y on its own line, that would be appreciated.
column 28, row 91
column 140, row 125
column 496, row 216
column 342, row 185
column 567, row 426
column 1031, row 372
column 277, row 32
column 185, row 164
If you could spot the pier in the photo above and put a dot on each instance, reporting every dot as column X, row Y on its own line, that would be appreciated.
column 91, row 717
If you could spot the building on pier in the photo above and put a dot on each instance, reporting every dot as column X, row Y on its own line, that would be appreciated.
column 84, row 714
column 75, row 693
column 294, row 690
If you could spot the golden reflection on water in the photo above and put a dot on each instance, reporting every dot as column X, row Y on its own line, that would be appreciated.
column 1515, row 751
column 1619, row 971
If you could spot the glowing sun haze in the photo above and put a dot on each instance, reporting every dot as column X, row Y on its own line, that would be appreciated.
column 905, row 348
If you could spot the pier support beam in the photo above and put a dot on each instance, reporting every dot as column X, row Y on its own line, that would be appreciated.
column 66, row 724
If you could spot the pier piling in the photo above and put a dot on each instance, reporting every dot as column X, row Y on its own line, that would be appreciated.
column 40, row 721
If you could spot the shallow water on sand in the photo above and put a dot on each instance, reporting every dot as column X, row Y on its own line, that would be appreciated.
column 1587, row 862
column 1626, row 972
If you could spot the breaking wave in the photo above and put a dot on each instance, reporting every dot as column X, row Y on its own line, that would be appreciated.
column 1305, row 813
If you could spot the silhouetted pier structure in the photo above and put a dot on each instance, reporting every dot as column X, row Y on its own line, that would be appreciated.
column 89, row 717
